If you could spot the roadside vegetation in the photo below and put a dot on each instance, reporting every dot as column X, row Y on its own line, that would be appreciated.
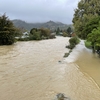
column 86, row 22
column 88, row 44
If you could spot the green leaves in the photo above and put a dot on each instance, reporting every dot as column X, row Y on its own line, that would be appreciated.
column 94, row 38
column 7, row 31
column 86, row 17
column 38, row 34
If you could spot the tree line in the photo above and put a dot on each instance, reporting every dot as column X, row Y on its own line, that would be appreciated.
column 8, row 32
column 86, row 22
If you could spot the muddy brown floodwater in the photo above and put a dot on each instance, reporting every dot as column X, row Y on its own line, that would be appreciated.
column 31, row 71
column 90, row 64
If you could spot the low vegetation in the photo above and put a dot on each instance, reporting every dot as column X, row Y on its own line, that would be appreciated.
column 86, row 23
column 88, row 44
column 37, row 34
column 72, row 43
column 67, row 54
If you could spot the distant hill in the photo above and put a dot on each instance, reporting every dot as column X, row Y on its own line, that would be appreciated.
column 50, row 24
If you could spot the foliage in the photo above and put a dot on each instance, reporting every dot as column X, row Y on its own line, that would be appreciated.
column 87, row 10
column 58, row 31
column 88, row 44
column 66, row 54
column 71, row 46
column 92, row 24
column 94, row 38
column 64, row 34
column 73, row 42
column 45, row 33
column 36, row 35
column 7, row 31
column 69, row 30
column 39, row 34
column 18, row 32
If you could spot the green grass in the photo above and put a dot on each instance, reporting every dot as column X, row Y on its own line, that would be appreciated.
column 88, row 44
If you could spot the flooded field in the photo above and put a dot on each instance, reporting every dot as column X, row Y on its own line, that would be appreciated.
column 32, row 71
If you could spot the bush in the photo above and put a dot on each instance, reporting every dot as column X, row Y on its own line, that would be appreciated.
column 66, row 54
column 52, row 36
column 70, row 51
column 64, row 34
column 73, row 41
column 71, row 46
column 88, row 44
column 23, row 39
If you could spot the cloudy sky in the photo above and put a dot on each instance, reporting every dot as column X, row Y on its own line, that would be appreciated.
column 39, row 10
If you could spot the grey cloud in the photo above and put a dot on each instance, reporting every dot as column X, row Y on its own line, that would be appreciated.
column 39, row 10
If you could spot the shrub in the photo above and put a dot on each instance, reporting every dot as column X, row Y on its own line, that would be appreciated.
column 71, row 46
column 66, row 54
column 35, row 36
column 73, row 41
column 23, row 39
column 70, row 51
column 64, row 34
column 88, row 44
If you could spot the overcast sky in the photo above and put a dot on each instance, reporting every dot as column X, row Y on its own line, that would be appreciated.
column 39, row 10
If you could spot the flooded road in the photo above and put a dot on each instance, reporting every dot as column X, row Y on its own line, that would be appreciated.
column 90, row 64
column 31, row 71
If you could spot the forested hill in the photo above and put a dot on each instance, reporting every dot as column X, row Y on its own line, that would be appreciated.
column 50, row 24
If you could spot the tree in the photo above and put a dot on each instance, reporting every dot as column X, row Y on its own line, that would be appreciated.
column 58, row 31
column 18, row 32
column 94, row 38
column 45, row 33
column 35, row 34
column 7, row 31
column 38, row 34
column 33, row 30
column 87, row 10
column 92, row 24
column 69, row 30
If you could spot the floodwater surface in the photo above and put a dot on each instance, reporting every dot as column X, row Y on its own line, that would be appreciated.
column 32, row 71
column 90, row 64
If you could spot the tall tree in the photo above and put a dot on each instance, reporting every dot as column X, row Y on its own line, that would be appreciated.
column 58, row 31
column 69, row 30
column 7, row 31
column 87, row 10
column 92, row 24
column 94, row 38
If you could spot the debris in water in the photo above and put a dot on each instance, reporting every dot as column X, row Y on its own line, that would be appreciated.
column 61, row 96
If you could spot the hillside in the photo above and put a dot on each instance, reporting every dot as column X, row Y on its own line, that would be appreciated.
column 50, row 24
